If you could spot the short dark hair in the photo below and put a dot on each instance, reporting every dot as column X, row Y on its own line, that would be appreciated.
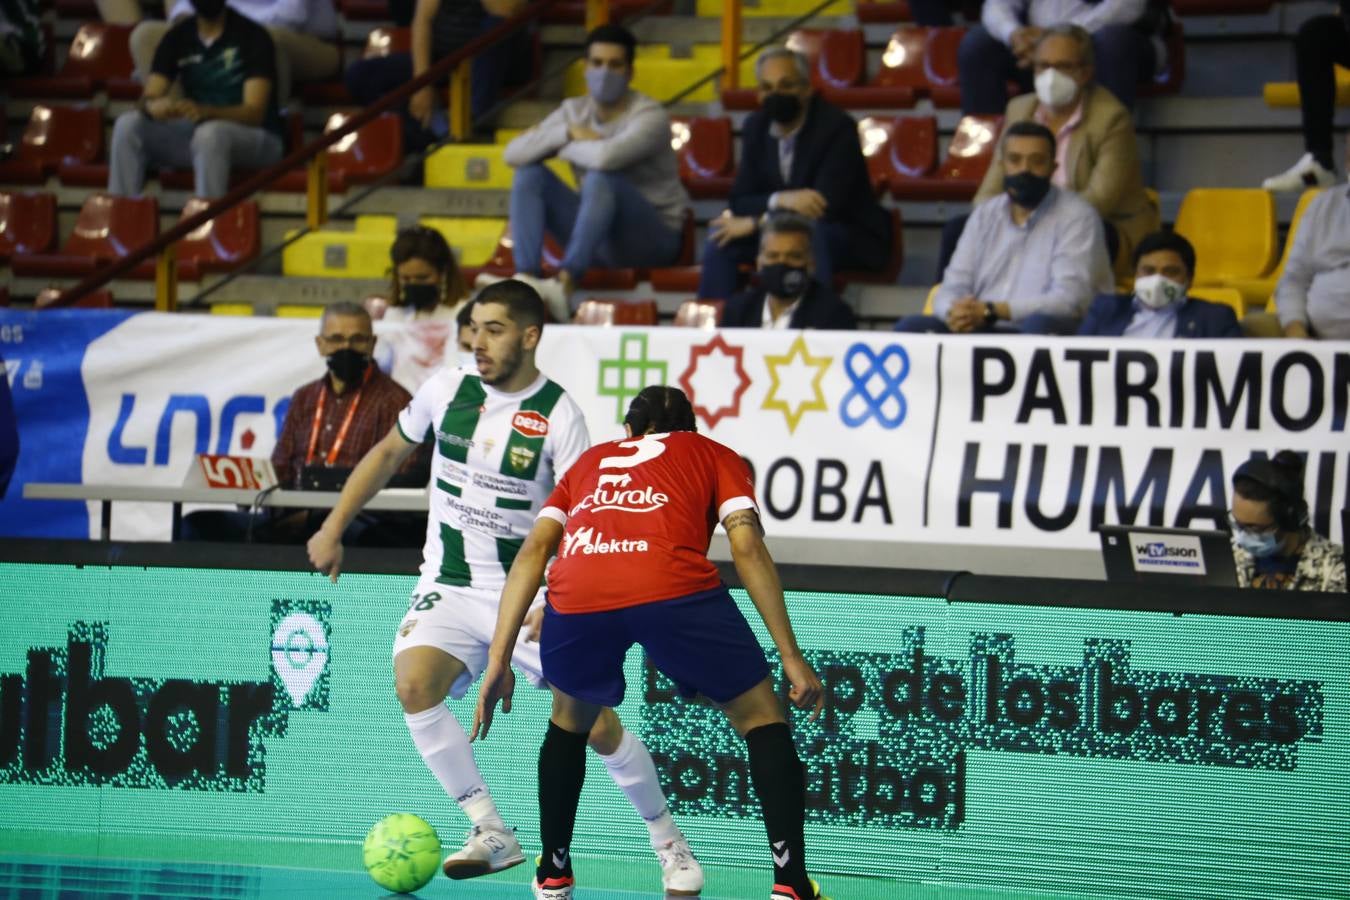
column 660, row 408
column 523, row 303
column 1277, row 482
column 430, row 246
column 1028, row 128
column 1167, row 240
column 613, row 34
column 464, row 317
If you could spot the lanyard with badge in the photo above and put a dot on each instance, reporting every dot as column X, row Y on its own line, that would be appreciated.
column 333, row 452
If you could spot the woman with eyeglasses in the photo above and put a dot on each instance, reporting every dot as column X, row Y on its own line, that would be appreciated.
column 1274, row 544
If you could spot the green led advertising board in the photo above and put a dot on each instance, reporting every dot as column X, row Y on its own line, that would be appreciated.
column 1024, row 747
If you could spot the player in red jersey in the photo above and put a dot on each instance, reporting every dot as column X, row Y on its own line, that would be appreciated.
column 631, row 522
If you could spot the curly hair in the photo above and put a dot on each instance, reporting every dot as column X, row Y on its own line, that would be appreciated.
column 660, row 408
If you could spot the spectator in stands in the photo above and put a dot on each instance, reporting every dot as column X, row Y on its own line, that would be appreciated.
column 1312, row 298
column 9, row 432
column 304, row 37
column 1323, row 43
column 425, row 283
column 799, row 153
column 631, row 205
column 1125, row 38
column 787, row 296
column 23, row 44
column 1274, row 545
column 1164, row 263
column 1097, row 156
column 330, row 425
column 1029, row 260
column 226, row 118
column 439, row 28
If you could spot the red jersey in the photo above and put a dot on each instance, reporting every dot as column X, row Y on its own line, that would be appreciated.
column 639, row 515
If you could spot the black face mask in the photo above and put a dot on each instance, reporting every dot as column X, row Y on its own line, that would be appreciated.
column 209, row 9
column 782, row 108
column 1026, row 189
column 421, row 296
column 785, row 281
column 348, row 364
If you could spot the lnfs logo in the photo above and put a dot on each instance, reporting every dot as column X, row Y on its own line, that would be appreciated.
column 66, row 722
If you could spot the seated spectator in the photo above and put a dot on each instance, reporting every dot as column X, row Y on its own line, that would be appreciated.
column 1164, row 263
column 439, row 28
column 426, row 283
column 23, row 43
column 330, row 425
column 9, row 432
column 1030, row 259
column 304, row 36
column 1323, row 43
column 227, row 117
column 787, row 295
column 1097, row 156
column 630, row 207
column 799, row 153
column 1126, row 39
column 1274, row 545
column 1312, row 298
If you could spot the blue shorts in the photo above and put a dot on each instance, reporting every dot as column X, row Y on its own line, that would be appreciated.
column 702, row 642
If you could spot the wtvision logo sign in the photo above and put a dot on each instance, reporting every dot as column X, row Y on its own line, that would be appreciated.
column 1178, row 553
column 67, row 721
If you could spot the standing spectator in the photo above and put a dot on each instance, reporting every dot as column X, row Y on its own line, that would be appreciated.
column 9, row 432
column 304, row 37
column 1124, row 37
column 800, row 154
column 630, row 208
column 1274, row 545
column 22, row 41
column 1312, row 298
column 787, row 295
column 1322, row 44
column 227, row 116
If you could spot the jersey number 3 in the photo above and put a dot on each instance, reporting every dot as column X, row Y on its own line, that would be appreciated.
column 646, row 448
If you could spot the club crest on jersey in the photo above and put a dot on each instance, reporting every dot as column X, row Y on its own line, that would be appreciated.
column 522, row 458
column 529, row 423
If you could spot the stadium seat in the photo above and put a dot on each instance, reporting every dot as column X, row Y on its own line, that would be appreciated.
column 1285, row 93
column 1256, row 291
column 107, row 229
column 898, row 149
column 48, row 298
column 884, row 12
column 918, row 62
column 381, row 41
column 958, row 177
column 223, row 243
column 705, row 314
column 1224, row 296
column 55, row 136
column 1171, row 78
column 337, row 254
column 895, row 260
column 99, row 60
column 364, row 10
column 1232, row 230
column 617, row 312
column 27, row 223
column 472, row 239
column 838, row 59
column 928, row 301
column 706, row 151
column 675, row 279
column 373, row 150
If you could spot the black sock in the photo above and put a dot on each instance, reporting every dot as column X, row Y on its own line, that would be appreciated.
column 780, row 782
column 562, row 769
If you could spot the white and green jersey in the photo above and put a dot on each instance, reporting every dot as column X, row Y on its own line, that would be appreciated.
column 497, row 458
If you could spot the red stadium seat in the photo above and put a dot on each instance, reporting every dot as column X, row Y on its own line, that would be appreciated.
column 375, row 149
column 676, row 279
column 960, row 174
column 913, row 150
column 108, row 228
column 364, row 10
column 99, row 59
column 838, row 59
column 27, row 223
column 706, row 151
column 895, row 260
column 48, row 298
column 617, row 312
column 55, row 136
column 1170, row 80
column 700, row 314
column 381, row 41
column 223, row 243
column 874, row 135
column 883, row 12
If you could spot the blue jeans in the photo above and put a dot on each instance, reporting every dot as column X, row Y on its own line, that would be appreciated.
column 212, row 149
column 1036, row 323
column 608, row 224
column 720, row 280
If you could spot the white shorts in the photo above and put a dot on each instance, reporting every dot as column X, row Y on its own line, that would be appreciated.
column 460, row 621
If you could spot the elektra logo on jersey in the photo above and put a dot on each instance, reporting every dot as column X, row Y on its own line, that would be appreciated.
column 613, row 492
column 587, row 542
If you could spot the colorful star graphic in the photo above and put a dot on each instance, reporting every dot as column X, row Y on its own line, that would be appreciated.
column 817, row 402
column 721, row 350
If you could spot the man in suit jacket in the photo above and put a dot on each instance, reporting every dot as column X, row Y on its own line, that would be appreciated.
column 1164, row 263
column 799, row 154
column 1095, row 139
column 787, row 296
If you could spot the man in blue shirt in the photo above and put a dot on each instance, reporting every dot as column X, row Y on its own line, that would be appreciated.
column 1164, row 263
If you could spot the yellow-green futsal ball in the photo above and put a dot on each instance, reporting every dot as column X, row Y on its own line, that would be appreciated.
column 402, row 852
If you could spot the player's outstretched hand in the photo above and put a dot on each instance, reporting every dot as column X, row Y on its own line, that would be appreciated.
column 807, row 690
column 325, row 552
column 498, row 684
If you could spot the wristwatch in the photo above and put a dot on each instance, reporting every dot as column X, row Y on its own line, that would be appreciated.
column 990, row 314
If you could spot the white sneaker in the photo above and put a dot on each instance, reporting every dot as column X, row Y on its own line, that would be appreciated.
column 553, row 888
column 486, row 850
column 681, row 875
column 1306, row 173
column 553, row 294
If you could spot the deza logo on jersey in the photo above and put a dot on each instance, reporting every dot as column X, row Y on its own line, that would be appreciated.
column 529, row 423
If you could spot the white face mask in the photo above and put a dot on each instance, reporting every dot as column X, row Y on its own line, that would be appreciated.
column 1055, row 89
column 1155, row 291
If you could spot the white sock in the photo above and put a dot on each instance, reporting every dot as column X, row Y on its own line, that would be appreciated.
column 633, row 771
column 445, row 748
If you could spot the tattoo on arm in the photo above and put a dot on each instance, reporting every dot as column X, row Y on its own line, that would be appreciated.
column 743, row 517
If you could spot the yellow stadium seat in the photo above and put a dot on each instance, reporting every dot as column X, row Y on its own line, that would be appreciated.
column 338, row 254
column 231, row 309
column 299, row 311
column 1270, row 305
column 473, row 240
column 1224, row 296
column 1232, row 230
column 776, row 8
column 479, row 167
column 1285, row 93
column 1256, row 291
column 928, row 303
column 377, row 225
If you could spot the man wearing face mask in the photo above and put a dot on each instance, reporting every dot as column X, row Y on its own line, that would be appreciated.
column 226, row 118
column 1164, row 263
column 629, row 211
column 799, row 154
column 786, row 295
column 1273, row 545
column 1029, row 260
